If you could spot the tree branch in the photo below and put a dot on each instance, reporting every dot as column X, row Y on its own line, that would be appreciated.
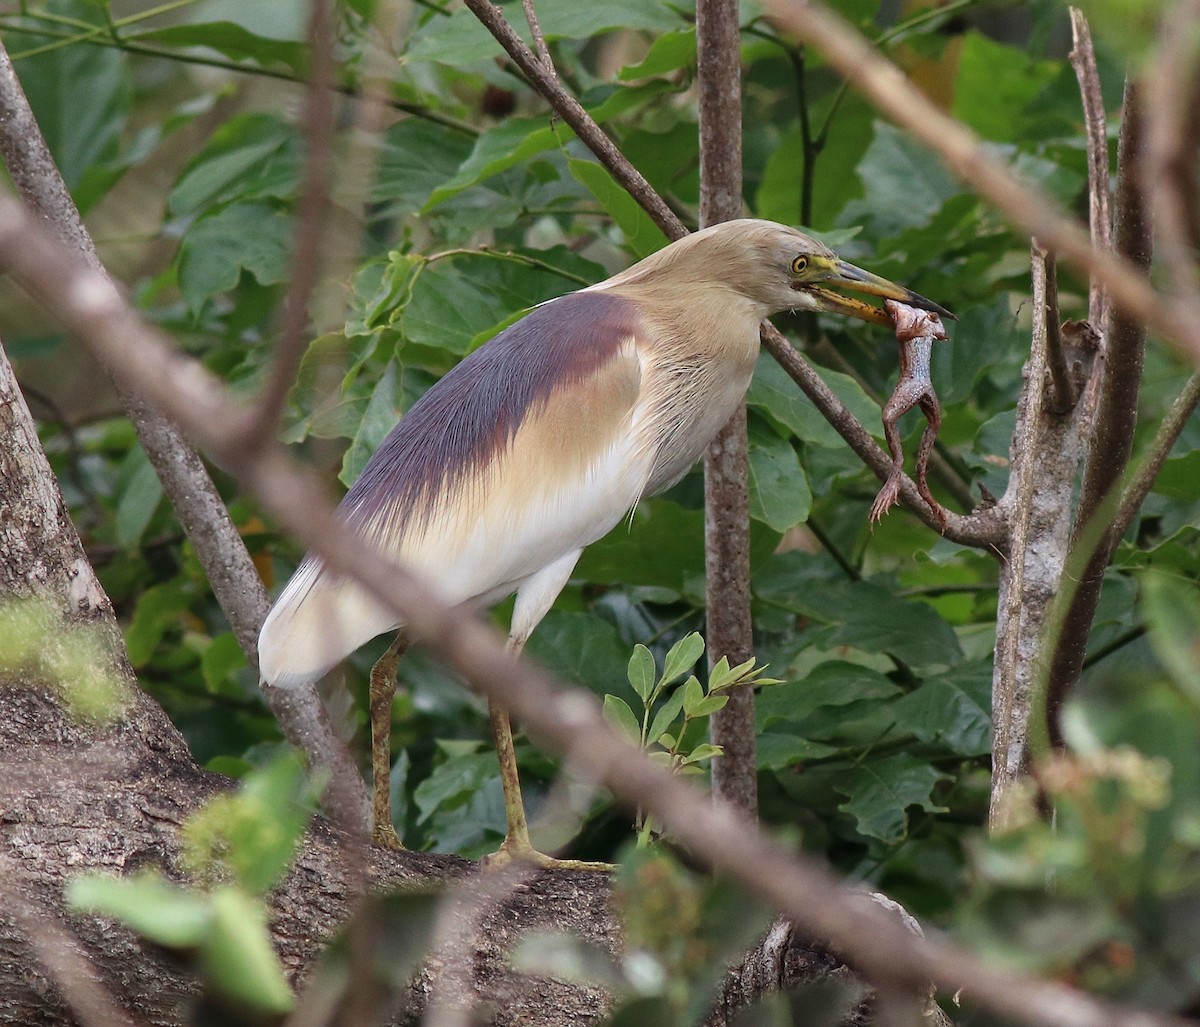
column 728, row 626
column 1083, row 60
column 1094, row 539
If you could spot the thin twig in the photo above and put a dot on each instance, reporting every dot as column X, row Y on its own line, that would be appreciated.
column 1083, row 60
column 567, row 720
column 539, row 41
column 317, row 126
column 1142, row 481
column 887, row 88
column 1094, row 538
column 1062, row 388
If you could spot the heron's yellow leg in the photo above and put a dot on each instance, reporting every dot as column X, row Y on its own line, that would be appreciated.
column 516, row 845
column 383, row 691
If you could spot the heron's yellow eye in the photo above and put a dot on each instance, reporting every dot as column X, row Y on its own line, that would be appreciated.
column 799, row 265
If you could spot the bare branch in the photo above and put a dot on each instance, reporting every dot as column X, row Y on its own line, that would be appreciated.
column 185, row 479
column 569, row 722
column 1083, row 60
column 1094, row 539
column 572, row 112
column 728, row 626
column 886, row 87
column 63, row 958
column 539, row 41
column 1063, row 393
column 317, row 123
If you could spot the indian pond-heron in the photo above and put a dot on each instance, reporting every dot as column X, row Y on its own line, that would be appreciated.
column 543, row 439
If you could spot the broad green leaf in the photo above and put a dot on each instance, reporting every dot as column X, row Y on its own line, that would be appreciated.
column 380, row 417
column 462, row 39
column 238, row 956
column 81, row 97
column 953, row 709
column 830, row 684
column 995, row 85
column 621, row 717
column 682, row 656
column 779, row 493
column 641, row 671
column 158, row 910
column 416, row 158
column 138, row 500
column 778, row 751
column 232, row 41
column 158, row 608
column 582, row 648
column 641, row 234
column 453, row 782
column 1172, row 611
column 774, row 392
column 668, row 53
column 222, row 657
column 497, row 149
column 457, row 303
column 250, row 157
column 693, row 696
column 252, row 237
column 881, row 791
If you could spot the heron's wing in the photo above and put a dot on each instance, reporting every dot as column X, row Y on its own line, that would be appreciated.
column 526, row 451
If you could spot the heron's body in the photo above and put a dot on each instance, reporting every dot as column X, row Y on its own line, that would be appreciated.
column 532, row 448
column 541, row 441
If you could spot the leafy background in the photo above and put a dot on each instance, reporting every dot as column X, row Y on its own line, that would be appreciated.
column 179, row 140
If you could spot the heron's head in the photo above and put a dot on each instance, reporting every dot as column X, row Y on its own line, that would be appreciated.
column 784, row 269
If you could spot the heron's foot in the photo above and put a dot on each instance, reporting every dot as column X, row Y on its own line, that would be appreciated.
column 520, row 851
column 384, row 835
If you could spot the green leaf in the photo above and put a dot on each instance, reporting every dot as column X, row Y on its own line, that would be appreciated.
column 454, row 782
column 693, row 696
column 709, row 705
column 221, row 658
column 81, row 97
column 238, row 956
column 138, row 500
column 830, row 684
column 250, row 157
column 880, row 793
column 462, row 39
column 995, row 86
column 682, row 656
column 581, row 648
column 703, row 751
column 504, row 146
column 779, row 492
column 779, row 751
column 668, row 53
column 417, row 157
column 380, row 417
column 158, row 608
column 253, row 237
column 665, row 715
column 620, row 716
column 232, row 41
column 1172, row 612
column 953, row 709
column 158, row 910
column 774, row 392
column 642, row 235
column 641, row 671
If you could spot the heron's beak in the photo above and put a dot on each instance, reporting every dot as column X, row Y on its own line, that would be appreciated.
column 846, row 276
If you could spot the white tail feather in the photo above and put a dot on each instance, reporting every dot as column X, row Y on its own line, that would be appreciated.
column 319, row 620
